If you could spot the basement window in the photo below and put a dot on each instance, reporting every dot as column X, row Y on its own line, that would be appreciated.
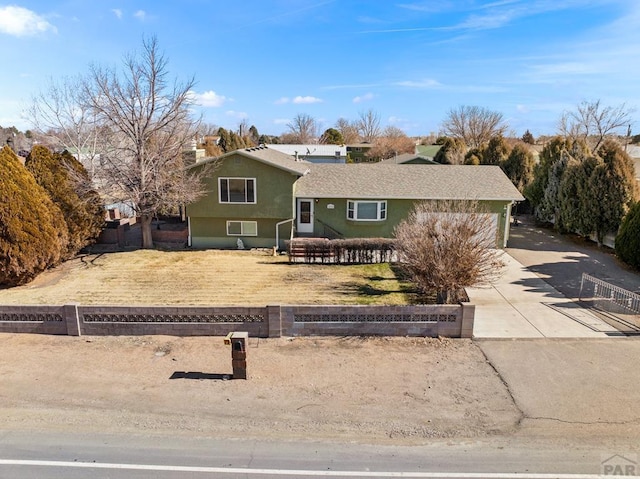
column 242, row 228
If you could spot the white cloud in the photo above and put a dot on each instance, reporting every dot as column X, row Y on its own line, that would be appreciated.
column 305, row 100
column 426, row 83
column 117, row 12
column 240, row 115
column 502, row 13
column 365, row 97
column 392, row 120
column 140, row 15
column 298, row 100
column 281, row 121
column 22, row 22
column 209, row 99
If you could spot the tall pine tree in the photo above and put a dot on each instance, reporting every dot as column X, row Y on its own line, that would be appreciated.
column 66, row 180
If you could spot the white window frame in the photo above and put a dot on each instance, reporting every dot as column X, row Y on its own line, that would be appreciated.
column 381, row 210
column 242, row 228
column 227, row 178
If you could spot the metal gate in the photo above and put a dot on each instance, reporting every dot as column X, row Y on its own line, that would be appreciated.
column 619, row 304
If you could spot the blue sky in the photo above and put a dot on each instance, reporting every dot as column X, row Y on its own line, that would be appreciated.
column 410, row 61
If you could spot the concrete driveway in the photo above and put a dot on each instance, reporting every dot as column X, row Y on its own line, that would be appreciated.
column 536, row 296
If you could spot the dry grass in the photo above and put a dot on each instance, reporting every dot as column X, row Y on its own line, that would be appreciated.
column 211, row 277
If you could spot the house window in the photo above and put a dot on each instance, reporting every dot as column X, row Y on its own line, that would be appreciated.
column 367, row 210
column 242, row 228
column 237, row 190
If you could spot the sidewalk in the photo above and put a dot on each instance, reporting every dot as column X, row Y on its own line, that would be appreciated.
column 521, row 305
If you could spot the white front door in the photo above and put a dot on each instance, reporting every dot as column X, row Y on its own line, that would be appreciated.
column 304, row 222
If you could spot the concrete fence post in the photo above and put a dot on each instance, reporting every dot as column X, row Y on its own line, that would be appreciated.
column 72, row 318
column 274, row 323
column 468, row 315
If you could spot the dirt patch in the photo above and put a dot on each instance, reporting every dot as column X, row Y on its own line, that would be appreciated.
column 376, row 390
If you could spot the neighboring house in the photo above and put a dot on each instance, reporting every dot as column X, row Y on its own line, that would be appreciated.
column 314, row 153
column 87, row 156
column 262, row 197
column 357, row 153
column 429, row 151
column 410, row 159
column 634, row 153
column 193, row 154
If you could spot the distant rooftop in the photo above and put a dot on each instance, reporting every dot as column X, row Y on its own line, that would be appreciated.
column 311, row 150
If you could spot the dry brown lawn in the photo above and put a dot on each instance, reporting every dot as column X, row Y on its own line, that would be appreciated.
column 209, row 277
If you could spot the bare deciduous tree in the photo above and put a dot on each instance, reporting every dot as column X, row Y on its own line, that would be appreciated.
column 368, row 125
column 593, row 122
column 473, row 124
column 61, row 115
column 149, row 125
column 302, row 129
column 393, row 141
column 445, row 246
column 349, row 131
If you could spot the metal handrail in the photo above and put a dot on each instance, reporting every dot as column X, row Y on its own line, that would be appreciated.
column 620, row 296
column 334, row 231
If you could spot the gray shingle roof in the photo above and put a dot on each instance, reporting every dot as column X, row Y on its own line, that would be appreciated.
column 389, row 181
column 268, row 156
column 405, row 157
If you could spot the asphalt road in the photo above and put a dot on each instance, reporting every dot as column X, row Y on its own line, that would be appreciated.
column 48, row 456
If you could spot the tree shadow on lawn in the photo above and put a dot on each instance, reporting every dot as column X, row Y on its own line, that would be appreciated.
column 375, row 287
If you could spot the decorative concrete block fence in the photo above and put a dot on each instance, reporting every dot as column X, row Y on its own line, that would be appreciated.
column 454, row 321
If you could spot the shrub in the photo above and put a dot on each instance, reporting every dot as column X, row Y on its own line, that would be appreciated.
column 446, row 246
column 344, row 251
column 68, row 185
column 33, row 234
column 628, row 239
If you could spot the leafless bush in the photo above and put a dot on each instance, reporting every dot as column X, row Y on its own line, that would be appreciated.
column 445, row 246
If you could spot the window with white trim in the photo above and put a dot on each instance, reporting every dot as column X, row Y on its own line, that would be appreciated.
column 237, row 190
column 242, row 228
column 367, row 210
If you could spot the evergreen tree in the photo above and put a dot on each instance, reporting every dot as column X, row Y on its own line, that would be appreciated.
column 519, row 166
column 225, row 140
column 584, row 222
column 452, row 152
column 549, row 209
column 569, row 198
column 614, row 187
column 474, row 156
column 31, row 239
column 628, row 239
column 551, row 153
column 528, row 138
column 496, row 152
column 331, row 136
column 254, row 136
column 64, row 178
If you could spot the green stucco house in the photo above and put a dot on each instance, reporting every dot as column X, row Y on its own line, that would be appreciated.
column 264, row 197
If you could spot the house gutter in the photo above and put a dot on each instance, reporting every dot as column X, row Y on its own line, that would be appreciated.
column 276, row 247
column 189, row 229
